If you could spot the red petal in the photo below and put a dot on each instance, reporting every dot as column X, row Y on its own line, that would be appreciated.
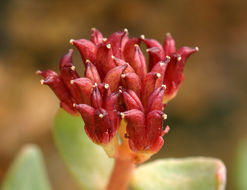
column 137, row 61
column 113, row 77
column 129, row 48
column 132, row 81
column 96, row 36
column 154, row 129
column 135, row 129
column 104, row 130
column 118, row 41
column 92, row 73
column 104, row 61
column 155, row 55
column 132, row 101
column 96, row 98
column 68, row 73
column 150, row 82
column 86, row 48
column 120, row 62
column 85, row 87
column 169, row 45
column 53, row 80
column 155, row 100
column 185, row 52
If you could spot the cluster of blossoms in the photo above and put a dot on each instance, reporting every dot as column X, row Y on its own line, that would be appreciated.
column 121, row 98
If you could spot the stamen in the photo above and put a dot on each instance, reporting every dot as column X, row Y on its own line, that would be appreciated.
column 168, row 57
column 71, row 41
column 179, row 58
column 87, row 61
column 120, row 91
column 147, row 50
column 104, row 39
column 72, row 81
column 101, row 115
column 106, row 86
column 164, row 86
column 74, row 104
column 72, row 68
column 42, row 81
column 164, row 116
column 108, row 46
column 123, row 76
column 95, row 84
column 126, row 31
column 142, row 36
column 136, row 45
column 92, row 28
column 113, row 57
column 168, row 34
column 162, row 63
column 197, row 48
column 158, row 75
column 122, row 115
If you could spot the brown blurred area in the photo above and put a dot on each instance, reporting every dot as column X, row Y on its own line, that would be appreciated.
column 208, row 116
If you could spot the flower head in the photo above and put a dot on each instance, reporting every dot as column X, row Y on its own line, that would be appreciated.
column 121, row 98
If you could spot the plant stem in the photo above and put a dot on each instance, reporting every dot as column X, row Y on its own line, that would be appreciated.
column 121, row 174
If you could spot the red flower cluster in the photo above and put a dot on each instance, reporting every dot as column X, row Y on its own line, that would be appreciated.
column 120, row 86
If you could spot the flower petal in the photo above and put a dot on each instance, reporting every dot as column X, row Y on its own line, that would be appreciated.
column 96, row 36
column 132, row 81
column 92, row 73
column 155, row 100
column 131, row 100
column 169, row 45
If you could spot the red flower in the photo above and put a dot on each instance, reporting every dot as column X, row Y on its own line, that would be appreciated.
column 118, row 83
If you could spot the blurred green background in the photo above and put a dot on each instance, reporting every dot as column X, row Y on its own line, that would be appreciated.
column 208, row 116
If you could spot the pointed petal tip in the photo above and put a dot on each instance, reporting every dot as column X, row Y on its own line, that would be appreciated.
column 142, row 36
column 71, row 41
column 42, row 81
column 164, row 116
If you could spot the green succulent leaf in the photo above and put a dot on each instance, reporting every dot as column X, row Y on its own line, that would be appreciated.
column 27, row 172
column 180, row 174
column 87, row 162
column 241, row 165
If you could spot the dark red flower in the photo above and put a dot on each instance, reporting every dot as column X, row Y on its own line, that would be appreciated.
column 121, row 98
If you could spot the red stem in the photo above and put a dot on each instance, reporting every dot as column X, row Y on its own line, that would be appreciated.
column 121, row 174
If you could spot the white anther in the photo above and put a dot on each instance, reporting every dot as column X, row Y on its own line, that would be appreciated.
column 42, row 81
column 158, row 75
column 106, row 86
column 197, row 48
column 136, row 45
column 101, row 115
column 126, row 31
column 164, row 116
column 179, row 58
column 123, row 76
column 162, row 63
column 164, row 86
column 108, row 46
column 147, row 50
column 71, row 41
column 104, row 39
column 122, row 115
column 142, row 36
column 113, row 57
column 87, row 61
column 168, row 57
column 72, row 81
column 72, row 68
column 168, row 34
column 74, row 104
column 93, row 28
column 120, row 91
column 95, row 84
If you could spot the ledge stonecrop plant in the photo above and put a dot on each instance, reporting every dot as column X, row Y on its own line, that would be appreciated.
column 122, row 96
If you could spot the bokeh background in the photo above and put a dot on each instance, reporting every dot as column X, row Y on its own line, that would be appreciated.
column 208, row 116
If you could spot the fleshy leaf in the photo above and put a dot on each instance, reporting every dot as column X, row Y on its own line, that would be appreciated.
column 86, row 161
column 181, row 174
column 241, row 165
column 27, row 172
